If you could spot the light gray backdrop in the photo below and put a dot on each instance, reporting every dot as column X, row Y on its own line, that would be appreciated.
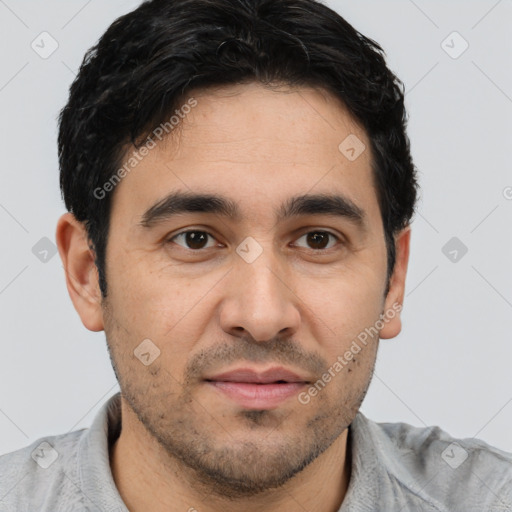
column 450, row 366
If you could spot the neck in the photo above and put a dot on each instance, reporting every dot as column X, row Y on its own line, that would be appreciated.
column 148, row 478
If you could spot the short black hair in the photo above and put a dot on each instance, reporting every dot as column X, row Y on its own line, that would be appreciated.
column 140, row 70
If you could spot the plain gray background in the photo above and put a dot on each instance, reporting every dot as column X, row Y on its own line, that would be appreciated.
column 450, row 366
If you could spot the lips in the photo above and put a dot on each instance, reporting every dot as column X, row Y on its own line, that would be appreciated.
column 272, row 375
column 255, row 390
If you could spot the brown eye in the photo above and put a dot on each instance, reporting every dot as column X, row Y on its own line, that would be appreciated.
column 318, row 240
column 194, row 240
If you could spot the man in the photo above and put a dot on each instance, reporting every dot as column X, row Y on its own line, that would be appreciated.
column 240, row 190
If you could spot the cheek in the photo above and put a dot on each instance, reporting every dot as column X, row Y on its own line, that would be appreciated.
column 157, row 303
column 342, row 308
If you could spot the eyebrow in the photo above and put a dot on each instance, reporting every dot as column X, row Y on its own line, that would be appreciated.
column 179, row 202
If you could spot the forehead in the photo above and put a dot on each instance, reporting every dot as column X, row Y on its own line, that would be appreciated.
column 257, row 146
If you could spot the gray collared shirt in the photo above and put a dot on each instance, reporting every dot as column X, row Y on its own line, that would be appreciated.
column 395, row 467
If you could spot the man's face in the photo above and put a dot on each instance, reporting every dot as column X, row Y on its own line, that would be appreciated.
column 294, row 296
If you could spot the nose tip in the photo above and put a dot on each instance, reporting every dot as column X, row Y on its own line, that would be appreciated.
column 260, row 335
column 258, row 304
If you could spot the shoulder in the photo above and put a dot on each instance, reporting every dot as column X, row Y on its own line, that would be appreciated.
column 40, row 472
column 461, row 474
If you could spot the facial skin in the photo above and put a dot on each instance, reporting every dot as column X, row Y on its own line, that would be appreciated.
column 184, row 443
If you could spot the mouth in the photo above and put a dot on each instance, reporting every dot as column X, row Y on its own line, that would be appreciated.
column 258, row 390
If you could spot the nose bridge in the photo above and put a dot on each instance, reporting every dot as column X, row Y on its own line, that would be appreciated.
column 259, row 301
column 260, row 276
column 257, row 267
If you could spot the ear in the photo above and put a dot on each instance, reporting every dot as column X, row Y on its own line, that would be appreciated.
column 395, row 298
column 82, row 278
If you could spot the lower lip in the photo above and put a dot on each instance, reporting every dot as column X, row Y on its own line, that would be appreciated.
column 258, row 396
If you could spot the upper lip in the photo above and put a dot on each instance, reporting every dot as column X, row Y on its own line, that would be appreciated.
column 249, row 375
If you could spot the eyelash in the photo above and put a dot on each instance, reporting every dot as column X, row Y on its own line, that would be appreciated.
column 171, row 239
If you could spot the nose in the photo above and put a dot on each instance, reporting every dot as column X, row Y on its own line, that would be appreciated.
column 259, row 300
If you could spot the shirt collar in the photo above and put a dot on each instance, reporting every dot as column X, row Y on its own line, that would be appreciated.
column 93, row 461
